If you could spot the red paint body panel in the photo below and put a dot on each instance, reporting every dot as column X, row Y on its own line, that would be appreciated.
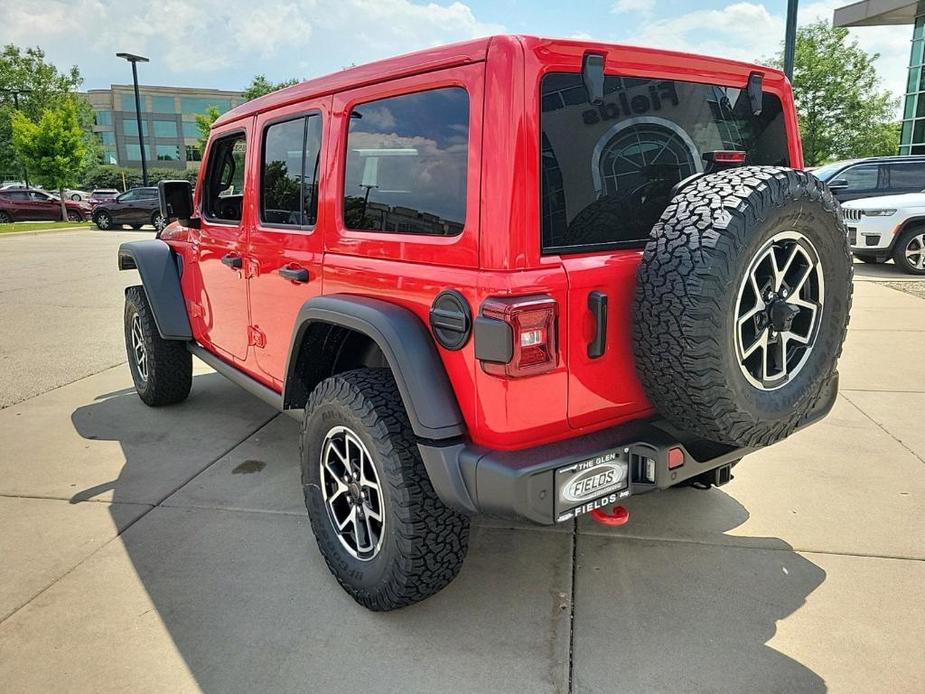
column 498, row 252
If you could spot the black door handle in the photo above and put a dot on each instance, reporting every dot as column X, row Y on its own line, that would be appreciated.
column 295, row 274
column 597, row 302
column 233, row 261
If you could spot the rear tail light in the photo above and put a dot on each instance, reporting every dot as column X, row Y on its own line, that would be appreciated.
column 533, row 328
column 725, row 157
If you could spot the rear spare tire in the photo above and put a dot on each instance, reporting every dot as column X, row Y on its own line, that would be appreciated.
column 742, row 304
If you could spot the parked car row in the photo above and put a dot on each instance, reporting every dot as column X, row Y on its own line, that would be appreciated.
column 884, row 208
column 30, row 204
column 107, row 208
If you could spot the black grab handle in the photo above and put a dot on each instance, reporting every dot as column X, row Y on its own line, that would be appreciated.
column 597, row 302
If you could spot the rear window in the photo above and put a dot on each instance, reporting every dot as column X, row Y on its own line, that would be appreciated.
column 407, row 163
column 608, row 170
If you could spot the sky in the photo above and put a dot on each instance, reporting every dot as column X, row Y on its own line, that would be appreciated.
column 222, row 44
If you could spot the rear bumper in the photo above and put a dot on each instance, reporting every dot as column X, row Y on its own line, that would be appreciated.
column 522, row 484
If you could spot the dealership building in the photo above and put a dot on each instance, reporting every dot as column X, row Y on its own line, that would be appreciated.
column 896, row 12
column 168, row 123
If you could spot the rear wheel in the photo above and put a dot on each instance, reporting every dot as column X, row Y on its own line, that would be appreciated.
column 5, row 217
column 161, row 369
column 75, row 197
column 870, row 259
column 103, row 220
column 742, row 304
column 383, row 532
column 909, row 253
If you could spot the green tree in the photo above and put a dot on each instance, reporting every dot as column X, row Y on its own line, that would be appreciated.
column 26, row 78
column 843, row 113
column 204, row 122
column 53, row 148
column 260, row 86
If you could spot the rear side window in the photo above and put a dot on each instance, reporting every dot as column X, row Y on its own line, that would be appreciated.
column 407, row 162
column 607, row 171
column 224, row 184
column 907, row 176
column 288, row 189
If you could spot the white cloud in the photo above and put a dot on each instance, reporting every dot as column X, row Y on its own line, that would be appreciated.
column 628, row 6
column 200, row 42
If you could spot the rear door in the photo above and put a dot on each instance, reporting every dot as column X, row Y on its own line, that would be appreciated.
column 285, row 246
column 221, row 246
column 607, row 172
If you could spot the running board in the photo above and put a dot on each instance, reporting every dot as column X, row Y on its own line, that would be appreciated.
column 255, row 388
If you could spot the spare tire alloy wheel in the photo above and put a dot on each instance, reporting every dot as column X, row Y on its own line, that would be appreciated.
column 351, row 492
column 779, row 309
column 741, row 305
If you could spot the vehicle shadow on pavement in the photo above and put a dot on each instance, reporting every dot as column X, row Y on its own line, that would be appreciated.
column 249, row 604
column 671, row 602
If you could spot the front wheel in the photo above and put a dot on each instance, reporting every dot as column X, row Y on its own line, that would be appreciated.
column 161, row 369
column 103, row 220
column 909, row 253
column 74, row 216
column 383, row 532
column 159, row 221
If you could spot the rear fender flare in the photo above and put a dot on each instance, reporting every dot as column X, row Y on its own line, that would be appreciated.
column 160, row 278
column 408, row 348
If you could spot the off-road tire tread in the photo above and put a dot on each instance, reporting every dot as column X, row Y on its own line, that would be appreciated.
column 431, row 539
column 675, row 337
column 170, row 364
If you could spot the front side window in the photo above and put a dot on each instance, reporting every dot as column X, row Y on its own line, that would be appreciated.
column 291, row 155
column 607, row 171
column 223, row 196
column 860, row 177
column 407, row 159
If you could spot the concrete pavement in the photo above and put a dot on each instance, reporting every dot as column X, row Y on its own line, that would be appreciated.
column 168, row 550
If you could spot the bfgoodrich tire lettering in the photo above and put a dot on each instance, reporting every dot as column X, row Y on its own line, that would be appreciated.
column 687, row 295
column 161, row 369
column 424, row 542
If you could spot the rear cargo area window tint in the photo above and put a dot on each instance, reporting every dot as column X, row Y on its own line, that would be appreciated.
column 406, row 166
column 607, row 171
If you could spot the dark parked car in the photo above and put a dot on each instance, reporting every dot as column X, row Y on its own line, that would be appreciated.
column 136, row 207
column 102, row 195
column 873, row 177
column 27, row 205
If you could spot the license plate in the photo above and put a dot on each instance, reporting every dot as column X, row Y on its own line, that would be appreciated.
column 590, row 484
column 852, row 236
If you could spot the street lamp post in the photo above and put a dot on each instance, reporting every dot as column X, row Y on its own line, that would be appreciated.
column 134, row 60
column 16, row 93
column 790, row 38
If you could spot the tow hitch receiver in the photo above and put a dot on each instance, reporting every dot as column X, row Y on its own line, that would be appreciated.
column 619, row 516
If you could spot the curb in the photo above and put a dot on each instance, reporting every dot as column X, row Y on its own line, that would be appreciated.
column 39, row 232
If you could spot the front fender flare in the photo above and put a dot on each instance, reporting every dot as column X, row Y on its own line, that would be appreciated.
column 407, row 347
column 155, row 263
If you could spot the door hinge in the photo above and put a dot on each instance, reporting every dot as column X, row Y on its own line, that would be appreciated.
column 255, row 337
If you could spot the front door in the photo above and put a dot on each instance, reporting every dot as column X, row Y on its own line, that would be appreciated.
column 222, row 304
column 285, row 245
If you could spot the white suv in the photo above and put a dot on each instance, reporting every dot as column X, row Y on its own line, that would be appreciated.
column 892, row 226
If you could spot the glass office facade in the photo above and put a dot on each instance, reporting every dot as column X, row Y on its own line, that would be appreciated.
column 912, row 140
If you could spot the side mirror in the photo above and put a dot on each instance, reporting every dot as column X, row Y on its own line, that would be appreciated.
column 176, row 198
column 838, row 184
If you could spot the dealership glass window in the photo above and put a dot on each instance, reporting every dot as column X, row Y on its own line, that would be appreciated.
column 133, row 152
column 190, row 129
column 107, row 137
column 198, row 104
column 193, row 153
column 607, row 171
column 165, row 128
column 163, row 104
column 130, row 127
column 407, row 163
column 103, row 117
column 168, row 152
column 291, row 152
column 109, row 156
column 128, row 102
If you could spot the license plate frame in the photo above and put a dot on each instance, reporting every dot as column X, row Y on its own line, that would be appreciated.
column 591, row 483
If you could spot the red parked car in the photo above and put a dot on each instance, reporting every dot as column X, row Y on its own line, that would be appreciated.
column 102, row 195
column 27, row 205
column 516, row 276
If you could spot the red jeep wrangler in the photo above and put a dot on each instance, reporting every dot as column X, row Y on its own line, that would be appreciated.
column 515, row 276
